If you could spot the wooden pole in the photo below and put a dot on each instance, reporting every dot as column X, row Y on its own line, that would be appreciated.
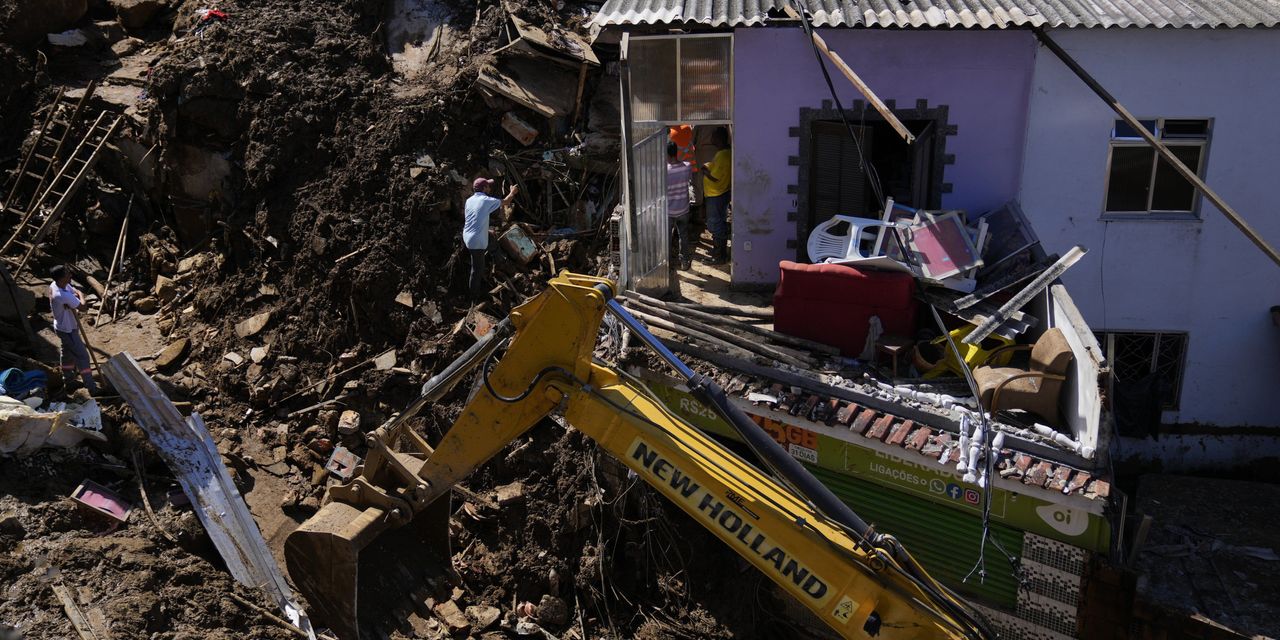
column 1177, row 164
column 699, row 330
column 732, row 324
column 115, row 259
column 855, row 80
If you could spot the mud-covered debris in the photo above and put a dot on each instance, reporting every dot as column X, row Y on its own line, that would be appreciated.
column 146, row 305
column 453, row 617
column 165, row 289
column 405, row 298
column 173, row 354
column 253, row 325
column 234, row 358
column 349, row 422
column 482, row 616
column 385, row 360
column 509, row 493
column 552, row 611
column 258, row 354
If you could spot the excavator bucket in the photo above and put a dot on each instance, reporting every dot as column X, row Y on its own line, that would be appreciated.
column 358, row 574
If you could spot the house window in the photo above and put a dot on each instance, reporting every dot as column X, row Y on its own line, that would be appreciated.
column 1159, row 357
column 1139, row 181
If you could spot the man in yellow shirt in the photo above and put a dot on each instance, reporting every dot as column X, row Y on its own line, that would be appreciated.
column 717, row 179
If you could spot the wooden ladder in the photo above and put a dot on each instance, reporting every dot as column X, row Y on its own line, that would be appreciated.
column 35, row 223
column 42, row 157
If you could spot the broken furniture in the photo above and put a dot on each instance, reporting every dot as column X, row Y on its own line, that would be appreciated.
column 942, row 245
column 857, row 247
column 833, row 304
column 895, row 347
column 97, row 499
column 991, row 352
column 1035, row 389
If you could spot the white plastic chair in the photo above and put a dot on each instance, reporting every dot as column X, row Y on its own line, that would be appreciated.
column 825, row 246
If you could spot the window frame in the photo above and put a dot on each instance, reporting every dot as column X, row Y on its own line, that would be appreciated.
column 1107, row 340
column 679, row 79
column 1138, row 142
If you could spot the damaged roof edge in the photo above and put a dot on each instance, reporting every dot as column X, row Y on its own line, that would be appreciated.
column 968, row 14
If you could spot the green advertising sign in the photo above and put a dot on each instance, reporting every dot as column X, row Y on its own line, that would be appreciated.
column 1068, row 520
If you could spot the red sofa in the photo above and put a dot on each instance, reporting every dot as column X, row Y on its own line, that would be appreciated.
column 833, row 304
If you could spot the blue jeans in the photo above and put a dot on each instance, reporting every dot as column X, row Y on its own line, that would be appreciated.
column 718, row 217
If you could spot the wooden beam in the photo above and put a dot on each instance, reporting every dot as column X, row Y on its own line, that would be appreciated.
column 731, row 324
column 855, row 80
column 1182, row 169
column 1024, row 296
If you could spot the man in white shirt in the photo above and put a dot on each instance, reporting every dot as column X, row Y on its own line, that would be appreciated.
column 475, row 230
column 64, row 299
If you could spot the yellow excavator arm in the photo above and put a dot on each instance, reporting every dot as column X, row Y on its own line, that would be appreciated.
column 859, row 582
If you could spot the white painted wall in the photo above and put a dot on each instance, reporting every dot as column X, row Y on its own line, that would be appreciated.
column 1202, row 277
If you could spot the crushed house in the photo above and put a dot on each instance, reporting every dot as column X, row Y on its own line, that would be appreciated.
column 984, row 147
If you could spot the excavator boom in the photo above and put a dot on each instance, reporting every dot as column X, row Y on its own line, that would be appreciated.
column 860, row 583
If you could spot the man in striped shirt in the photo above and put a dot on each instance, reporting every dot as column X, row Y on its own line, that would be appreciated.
column 679, row 174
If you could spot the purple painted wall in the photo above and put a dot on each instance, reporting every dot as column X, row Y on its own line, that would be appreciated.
column 983, row 77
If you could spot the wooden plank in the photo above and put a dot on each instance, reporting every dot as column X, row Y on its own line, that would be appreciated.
column 1182, row 169
column 699, row 331
column 73, row 612
column 1028, row 292
column 857, row 81
column 732, row 324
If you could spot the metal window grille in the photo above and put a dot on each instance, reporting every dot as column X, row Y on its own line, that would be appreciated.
column 1135, row 355
column 1139, row 181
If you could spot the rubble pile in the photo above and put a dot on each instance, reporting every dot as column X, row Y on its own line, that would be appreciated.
column 285, row 206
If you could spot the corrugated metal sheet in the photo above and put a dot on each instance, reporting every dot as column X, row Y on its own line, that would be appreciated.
column 945, row 541
column 952, row 13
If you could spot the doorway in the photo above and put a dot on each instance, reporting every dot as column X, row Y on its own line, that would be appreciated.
column 834, row 181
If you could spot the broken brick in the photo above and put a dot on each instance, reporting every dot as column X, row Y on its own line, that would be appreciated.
column 1077, row 482
column 1038, row 474
column 917, row 440
column 862, row 421
column 1098, row 488
column 1022, row 462
column 1059, row 479
column 880, row 430
column 898, row 434
column 937, row 444
column 847, row 413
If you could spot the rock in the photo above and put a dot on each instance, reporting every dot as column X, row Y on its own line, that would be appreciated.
column 453, row 617
column 10, row 525
column 233, row 358
column 253, row 325
column 385, row 361
column 552, row 611
column 165, row 289
column 258, row 354
column 173, row 354
column 405, row 298
column 423, row 627
column 135, row 13
column 509, row 493
column 349, row 422
column 146, row 305
column 187, row 265
column 483, row 617
column 348, row 358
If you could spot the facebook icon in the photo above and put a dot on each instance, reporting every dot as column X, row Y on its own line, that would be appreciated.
column 954, row 491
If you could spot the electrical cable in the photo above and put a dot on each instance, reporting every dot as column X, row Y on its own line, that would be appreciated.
column 873, row 176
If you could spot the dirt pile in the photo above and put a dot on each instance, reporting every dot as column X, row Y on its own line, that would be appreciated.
column 302, row 221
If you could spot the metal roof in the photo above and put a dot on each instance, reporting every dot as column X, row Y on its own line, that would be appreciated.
column 998, row 14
